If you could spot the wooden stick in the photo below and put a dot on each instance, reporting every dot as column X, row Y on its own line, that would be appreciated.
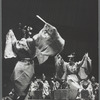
column 41, row 19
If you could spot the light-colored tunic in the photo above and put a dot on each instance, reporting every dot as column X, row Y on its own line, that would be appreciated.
column 41, row 46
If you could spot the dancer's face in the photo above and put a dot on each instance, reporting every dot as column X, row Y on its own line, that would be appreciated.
column 71, row 59
column 48, row 32
column 44, row 77
column 93, row 79
column 44, row 34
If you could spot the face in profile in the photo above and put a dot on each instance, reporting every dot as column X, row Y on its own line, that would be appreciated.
column 60, row 61
column 48, row 32
column 44, row 34
column 71, row 61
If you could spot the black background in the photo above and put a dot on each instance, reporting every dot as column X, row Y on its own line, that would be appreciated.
column 76, row 21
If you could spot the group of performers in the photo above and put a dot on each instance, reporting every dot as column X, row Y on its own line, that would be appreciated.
column 41, row 85
column 88, row 89
column 47, row 42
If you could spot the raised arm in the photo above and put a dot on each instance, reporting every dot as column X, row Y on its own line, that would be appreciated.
column 10, row 40
column 80, row 63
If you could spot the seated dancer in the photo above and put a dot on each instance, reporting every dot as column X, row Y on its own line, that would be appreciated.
column 55, row 83
column 86, row 90
column 95, row 86
column 46, row 43
column 33, row 87
column 46, row 88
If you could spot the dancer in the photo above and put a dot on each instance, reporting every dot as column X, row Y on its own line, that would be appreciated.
column 86, row 90
column 95, row 86
column 46, row 88
column 73, row 72
column 47, row 42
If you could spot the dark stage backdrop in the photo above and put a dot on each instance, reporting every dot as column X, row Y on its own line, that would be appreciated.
column 76, row 21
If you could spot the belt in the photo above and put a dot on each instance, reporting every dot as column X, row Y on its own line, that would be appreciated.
column 26, row 59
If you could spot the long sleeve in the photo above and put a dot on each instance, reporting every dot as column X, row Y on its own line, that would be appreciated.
column 80, row 63
column 90, row 62
column 85, row 68
column 10, row 39
column 86, row 59
column 25, row 48
column 49, row 41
